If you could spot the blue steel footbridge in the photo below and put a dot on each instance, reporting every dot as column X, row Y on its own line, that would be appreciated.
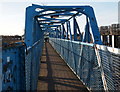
column 67, row 61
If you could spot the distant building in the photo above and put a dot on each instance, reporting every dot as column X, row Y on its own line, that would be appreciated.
column 110, row 35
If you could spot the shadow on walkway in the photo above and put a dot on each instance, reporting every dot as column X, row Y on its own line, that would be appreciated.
column 55, row 75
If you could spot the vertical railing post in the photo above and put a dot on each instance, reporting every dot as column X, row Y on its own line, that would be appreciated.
column 87, row 32
column 77, row 27
column 69, row 29
column 63, row 31
column 60, row 32
column 57, row 32
column 93, row 23
column 74, row 29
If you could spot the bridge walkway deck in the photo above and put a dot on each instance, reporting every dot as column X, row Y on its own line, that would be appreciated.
column 55, row 75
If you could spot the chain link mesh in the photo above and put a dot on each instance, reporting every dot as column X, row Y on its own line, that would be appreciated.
column 32, row 65
column 84, row 61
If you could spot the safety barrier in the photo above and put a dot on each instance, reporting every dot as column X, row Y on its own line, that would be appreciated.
column 20, row 66
column 13, row 70
column 97, row 66
column 32, row 65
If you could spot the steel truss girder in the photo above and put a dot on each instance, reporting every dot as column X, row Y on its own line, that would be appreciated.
column 32, row 16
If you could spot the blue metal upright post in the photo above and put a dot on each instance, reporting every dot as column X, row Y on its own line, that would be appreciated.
column 63, row 31
column 77, row 27
column 69, row 29
column 74, row 29
column 87, row 32
column 89, row 12
column 29, row 25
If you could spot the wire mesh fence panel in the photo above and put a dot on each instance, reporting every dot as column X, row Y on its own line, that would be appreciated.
column 110, row 59
column 97, row 68
column 32, row 65
column 13, row 70
column 116, row 70
column 28, row 69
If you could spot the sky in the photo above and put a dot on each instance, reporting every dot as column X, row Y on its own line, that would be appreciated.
column 12, row 13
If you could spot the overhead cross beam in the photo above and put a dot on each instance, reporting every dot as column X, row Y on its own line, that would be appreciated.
column 53, row 16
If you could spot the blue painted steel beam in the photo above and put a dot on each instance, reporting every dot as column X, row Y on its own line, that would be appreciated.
column 86, row 10
column 59, row 7
column 77, row 27
column 51, row 23
column 73, row 16
column 60, row 28
column 29, row 23
column 45, row 18
column 89, row 12
column 59, row 12
column 74, row 29
column 52, row 20
column 65, row 14
column 63, row 21
column 63, row 31
column 69, row 29
column 87, row 32
column 50, row 26
column 34, row 27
